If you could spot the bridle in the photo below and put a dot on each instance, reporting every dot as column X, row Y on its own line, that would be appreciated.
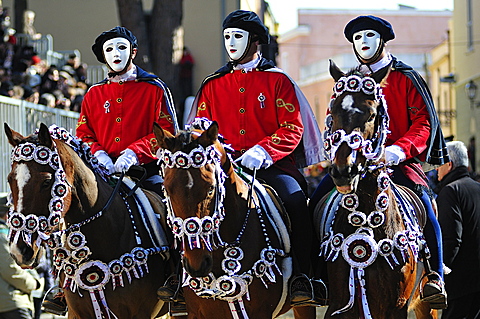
column 372, row 149
column 195, row 229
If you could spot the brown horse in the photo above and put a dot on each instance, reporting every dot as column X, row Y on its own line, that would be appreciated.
column 235, row 253
column 109, row 265
column 372, row 237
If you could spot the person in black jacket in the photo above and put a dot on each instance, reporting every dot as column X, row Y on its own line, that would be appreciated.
column 459, row 216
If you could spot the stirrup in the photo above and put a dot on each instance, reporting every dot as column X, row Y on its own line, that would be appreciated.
column 434, row 292
column 171, row 290
column 301, row 291
column 57, row 305
column 320, row 292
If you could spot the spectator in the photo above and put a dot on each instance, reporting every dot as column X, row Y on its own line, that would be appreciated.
column 75, row 68
column 16, row 284
column 28, row 28
column 459, row 216
column 186, row 79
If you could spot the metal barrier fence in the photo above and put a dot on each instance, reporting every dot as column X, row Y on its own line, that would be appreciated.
column 25, row 117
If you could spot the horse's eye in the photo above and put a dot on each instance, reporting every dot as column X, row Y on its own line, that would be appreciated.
column 47, row 182
column 372, row 117
column 211, row 190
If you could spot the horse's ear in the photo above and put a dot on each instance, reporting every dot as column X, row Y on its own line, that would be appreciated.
column 14, row 138
column 161, row 135
column 44, row 136
column 381, row 74
column 335, row 71
column 209, row 136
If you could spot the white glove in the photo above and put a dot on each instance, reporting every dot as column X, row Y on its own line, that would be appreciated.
column 394, row 154
column 105, row 161
column 256, row 157
column 126, row 160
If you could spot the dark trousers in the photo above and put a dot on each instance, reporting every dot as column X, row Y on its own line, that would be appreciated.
column 295, row 203
column 21, row 313
column 465, row 307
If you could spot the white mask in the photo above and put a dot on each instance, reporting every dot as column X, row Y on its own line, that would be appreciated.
column 117, row 53
column 236, row 42
column 366, row 43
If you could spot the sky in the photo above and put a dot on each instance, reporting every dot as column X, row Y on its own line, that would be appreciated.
column 285, row 11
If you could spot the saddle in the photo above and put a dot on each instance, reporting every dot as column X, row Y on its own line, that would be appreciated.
column 279, row 205
column 415, row 201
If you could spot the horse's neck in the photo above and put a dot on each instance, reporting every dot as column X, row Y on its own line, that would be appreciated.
column 235, row 203
column 87, row 188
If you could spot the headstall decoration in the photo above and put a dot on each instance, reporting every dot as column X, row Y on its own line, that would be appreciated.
column 372, row 149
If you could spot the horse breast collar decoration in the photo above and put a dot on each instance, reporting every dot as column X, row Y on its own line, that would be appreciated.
column 69, row 245
column 360, row 249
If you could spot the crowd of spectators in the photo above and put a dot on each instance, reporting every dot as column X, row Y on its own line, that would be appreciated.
column 24, row 75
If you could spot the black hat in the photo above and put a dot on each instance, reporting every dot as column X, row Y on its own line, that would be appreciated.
column 248, row 21
column 116, row 32
column 369, row 23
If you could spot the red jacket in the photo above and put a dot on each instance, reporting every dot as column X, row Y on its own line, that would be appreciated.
column 409, row 122
column 120, row 115
column 255, row 107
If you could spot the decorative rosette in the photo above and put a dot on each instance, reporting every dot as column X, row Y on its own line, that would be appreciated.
column 69, row 282
column 400, row 241
column 16, row 221
column 357, row 218
column 92, row 275
column 141, row 256
column 355, row 141
column 54, row 219
column 231, row 266
column 43, row 224
column 42, row 155
column 54, row 241
column 375, row 219
column 196, row 284
column 339, row 86
column 350, row 202
column 359, row 250
column 226, row 285
column 368, row 85
column 383, row 181
column 116, row 269
column 31, row 223
column 335, row 246
column 81, row 254
column 385, row 249
column 199, row 158
column 382, row 202
column 128, row 262
column 233, row 253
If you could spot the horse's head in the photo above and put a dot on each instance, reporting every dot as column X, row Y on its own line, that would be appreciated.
column 37, row 190
column 193, row 181
column 356, row 126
